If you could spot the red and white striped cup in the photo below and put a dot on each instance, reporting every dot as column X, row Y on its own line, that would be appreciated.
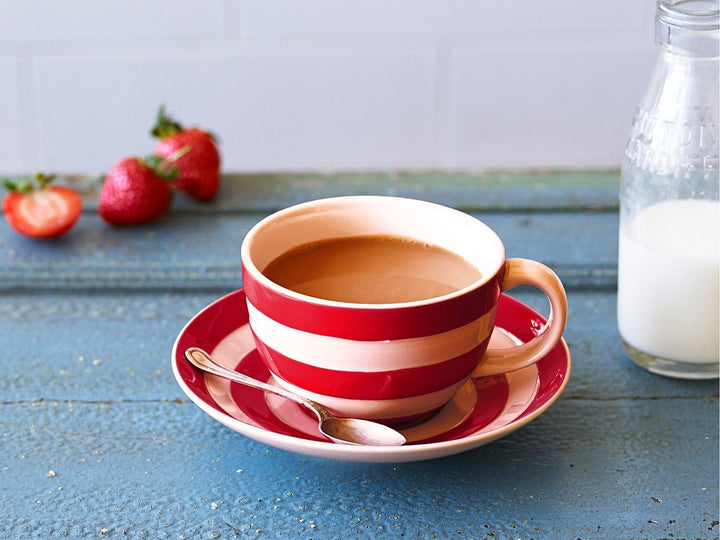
column 388, row 362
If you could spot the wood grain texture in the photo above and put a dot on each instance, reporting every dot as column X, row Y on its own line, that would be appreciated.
column 185, row 251
column 491, row 190
column 98, row 441
column 148, row 468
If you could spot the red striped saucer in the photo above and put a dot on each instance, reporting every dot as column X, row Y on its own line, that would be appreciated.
column 484, row 410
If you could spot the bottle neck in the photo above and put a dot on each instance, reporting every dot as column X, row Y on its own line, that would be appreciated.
column 688, row 27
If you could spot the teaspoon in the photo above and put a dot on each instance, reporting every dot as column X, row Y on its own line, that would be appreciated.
column 341, row 430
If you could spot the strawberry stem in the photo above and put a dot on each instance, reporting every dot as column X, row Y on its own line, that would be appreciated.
column 165, row 126
column 161, row 167
column 177, row 154
column 43, row 180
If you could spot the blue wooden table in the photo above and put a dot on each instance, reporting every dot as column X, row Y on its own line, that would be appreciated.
column 97, row 440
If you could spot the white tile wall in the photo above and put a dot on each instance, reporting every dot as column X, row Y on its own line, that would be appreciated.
column 446, row 17
column 543, row 108
column 11, row 140
column 322, row 84
column 84, row 21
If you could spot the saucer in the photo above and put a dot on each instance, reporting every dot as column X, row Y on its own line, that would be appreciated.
column 484, row 409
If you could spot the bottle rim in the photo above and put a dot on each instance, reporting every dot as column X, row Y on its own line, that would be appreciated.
column 689, row 14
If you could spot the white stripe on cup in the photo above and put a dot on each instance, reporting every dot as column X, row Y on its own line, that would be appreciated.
column 378, row 408
column 368, row 356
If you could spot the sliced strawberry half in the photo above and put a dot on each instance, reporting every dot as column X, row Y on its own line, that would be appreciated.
column 40, row 210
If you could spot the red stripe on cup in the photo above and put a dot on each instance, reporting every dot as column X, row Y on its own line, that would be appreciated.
column 375, row 323
column 372, row 385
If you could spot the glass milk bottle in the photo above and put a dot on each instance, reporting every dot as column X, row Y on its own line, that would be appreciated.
column 668, row 247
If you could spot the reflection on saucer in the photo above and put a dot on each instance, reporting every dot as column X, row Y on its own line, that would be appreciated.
column 451, row 415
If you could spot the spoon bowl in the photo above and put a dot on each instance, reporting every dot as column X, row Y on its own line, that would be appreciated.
column 340, row 430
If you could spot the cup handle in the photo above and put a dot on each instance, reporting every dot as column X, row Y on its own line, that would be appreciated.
column 528, row 272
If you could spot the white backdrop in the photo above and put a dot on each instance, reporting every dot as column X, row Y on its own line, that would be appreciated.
column 292, row 85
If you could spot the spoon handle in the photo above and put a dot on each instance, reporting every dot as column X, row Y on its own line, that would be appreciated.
column 202, row 360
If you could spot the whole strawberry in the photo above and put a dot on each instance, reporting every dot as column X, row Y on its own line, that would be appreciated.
column 136, row 190
column 195, row 154
column 36, row 209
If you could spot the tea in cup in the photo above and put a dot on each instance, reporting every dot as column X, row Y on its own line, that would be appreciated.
column 382, row 307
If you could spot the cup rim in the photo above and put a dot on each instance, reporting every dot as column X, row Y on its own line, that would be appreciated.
column 248, row 265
